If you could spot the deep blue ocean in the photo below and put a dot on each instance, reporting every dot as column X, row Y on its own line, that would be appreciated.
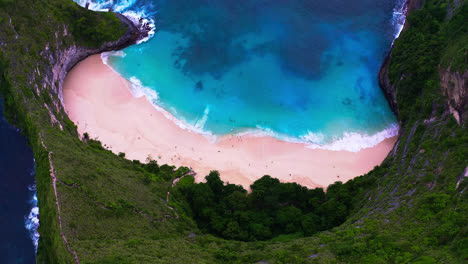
column 298, row 70
column 18, row 202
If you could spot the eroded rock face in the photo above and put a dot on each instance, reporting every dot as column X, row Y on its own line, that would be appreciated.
column 66, row 59
column 389, row 90
column 60, row 58
column 454, row 85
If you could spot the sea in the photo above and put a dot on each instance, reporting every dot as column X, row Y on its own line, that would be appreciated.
column 298, row 70
column 19, row 214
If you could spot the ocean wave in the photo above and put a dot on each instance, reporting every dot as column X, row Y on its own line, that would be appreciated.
column 102, row 6
column 200, row 123
column 350, row 141
column 32, row 224
column 140, row 18
column 399, row 17
column 260, row 131
column 31, row 221
column 138, row 15
column 355, row 142
column 138, row 90
column 105, row 56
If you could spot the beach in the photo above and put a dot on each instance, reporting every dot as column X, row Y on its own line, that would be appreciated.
column 100, row 103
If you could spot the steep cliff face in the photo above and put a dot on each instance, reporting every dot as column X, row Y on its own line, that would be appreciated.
column 37, row 44
column 63, row 60
column 413, row 209
column 455, row 86
column 389, row 90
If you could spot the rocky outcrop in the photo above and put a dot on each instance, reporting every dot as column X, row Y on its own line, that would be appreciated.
column 455, row 86
column 63, row 60
column 388, row 89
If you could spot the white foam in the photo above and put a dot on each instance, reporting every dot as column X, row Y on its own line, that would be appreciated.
column 399, row 18
column 105, row 56
column 354, row 142
column 32, row 224
column 260, row 131
column 139, row 17
column 138, row 90
column 201, row 122
column 96, row 6
column 314, row 138
column 31, row 221
column 349, row 141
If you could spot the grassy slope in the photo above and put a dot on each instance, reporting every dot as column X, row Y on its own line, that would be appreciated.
column 111, row 212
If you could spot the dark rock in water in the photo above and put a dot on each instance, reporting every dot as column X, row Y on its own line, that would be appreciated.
column 199, row 86
column 346, row 101
column 87, row 5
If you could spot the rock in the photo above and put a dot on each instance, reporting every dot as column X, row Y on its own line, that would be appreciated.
column 455, row 86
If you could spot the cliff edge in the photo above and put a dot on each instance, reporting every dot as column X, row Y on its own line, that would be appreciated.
column 388, row 89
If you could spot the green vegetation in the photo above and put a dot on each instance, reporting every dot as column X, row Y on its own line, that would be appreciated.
column 456, row 34
column 93, row 29
column 271, row 209
column 411, row 209
column 429, row 41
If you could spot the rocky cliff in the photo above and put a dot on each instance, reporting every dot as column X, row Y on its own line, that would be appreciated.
column 64, row 59
column 455, row 87
column 389, row 90
column 411, row 209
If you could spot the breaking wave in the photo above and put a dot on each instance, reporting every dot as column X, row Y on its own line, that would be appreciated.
column 349, row 141
column 399, row 17
column 31, row 221
column 139, row 15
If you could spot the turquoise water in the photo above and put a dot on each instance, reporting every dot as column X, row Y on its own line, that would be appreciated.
column 298, row 70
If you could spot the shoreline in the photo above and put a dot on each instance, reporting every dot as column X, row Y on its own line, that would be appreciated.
column 350, row 141
column 97, row 99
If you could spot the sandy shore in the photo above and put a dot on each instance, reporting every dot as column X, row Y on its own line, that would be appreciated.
column 99, row 101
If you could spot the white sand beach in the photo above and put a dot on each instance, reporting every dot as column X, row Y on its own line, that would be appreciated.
column 99, row 101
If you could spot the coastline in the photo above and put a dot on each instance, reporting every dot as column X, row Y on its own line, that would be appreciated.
column 100, row 102
column 384, row 82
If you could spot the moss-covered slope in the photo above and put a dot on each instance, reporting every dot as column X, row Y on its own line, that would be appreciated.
column 411, row 209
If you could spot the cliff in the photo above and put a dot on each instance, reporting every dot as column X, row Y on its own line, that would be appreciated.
column 96, row 207
column 384, row 81
column 455, row 87
column 63, row 60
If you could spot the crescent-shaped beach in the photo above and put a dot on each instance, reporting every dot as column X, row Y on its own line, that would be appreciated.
column 99, row 101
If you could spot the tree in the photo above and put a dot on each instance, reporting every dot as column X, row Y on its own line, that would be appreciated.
column 288, row 218
column 311, row 224
column 215, row 183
